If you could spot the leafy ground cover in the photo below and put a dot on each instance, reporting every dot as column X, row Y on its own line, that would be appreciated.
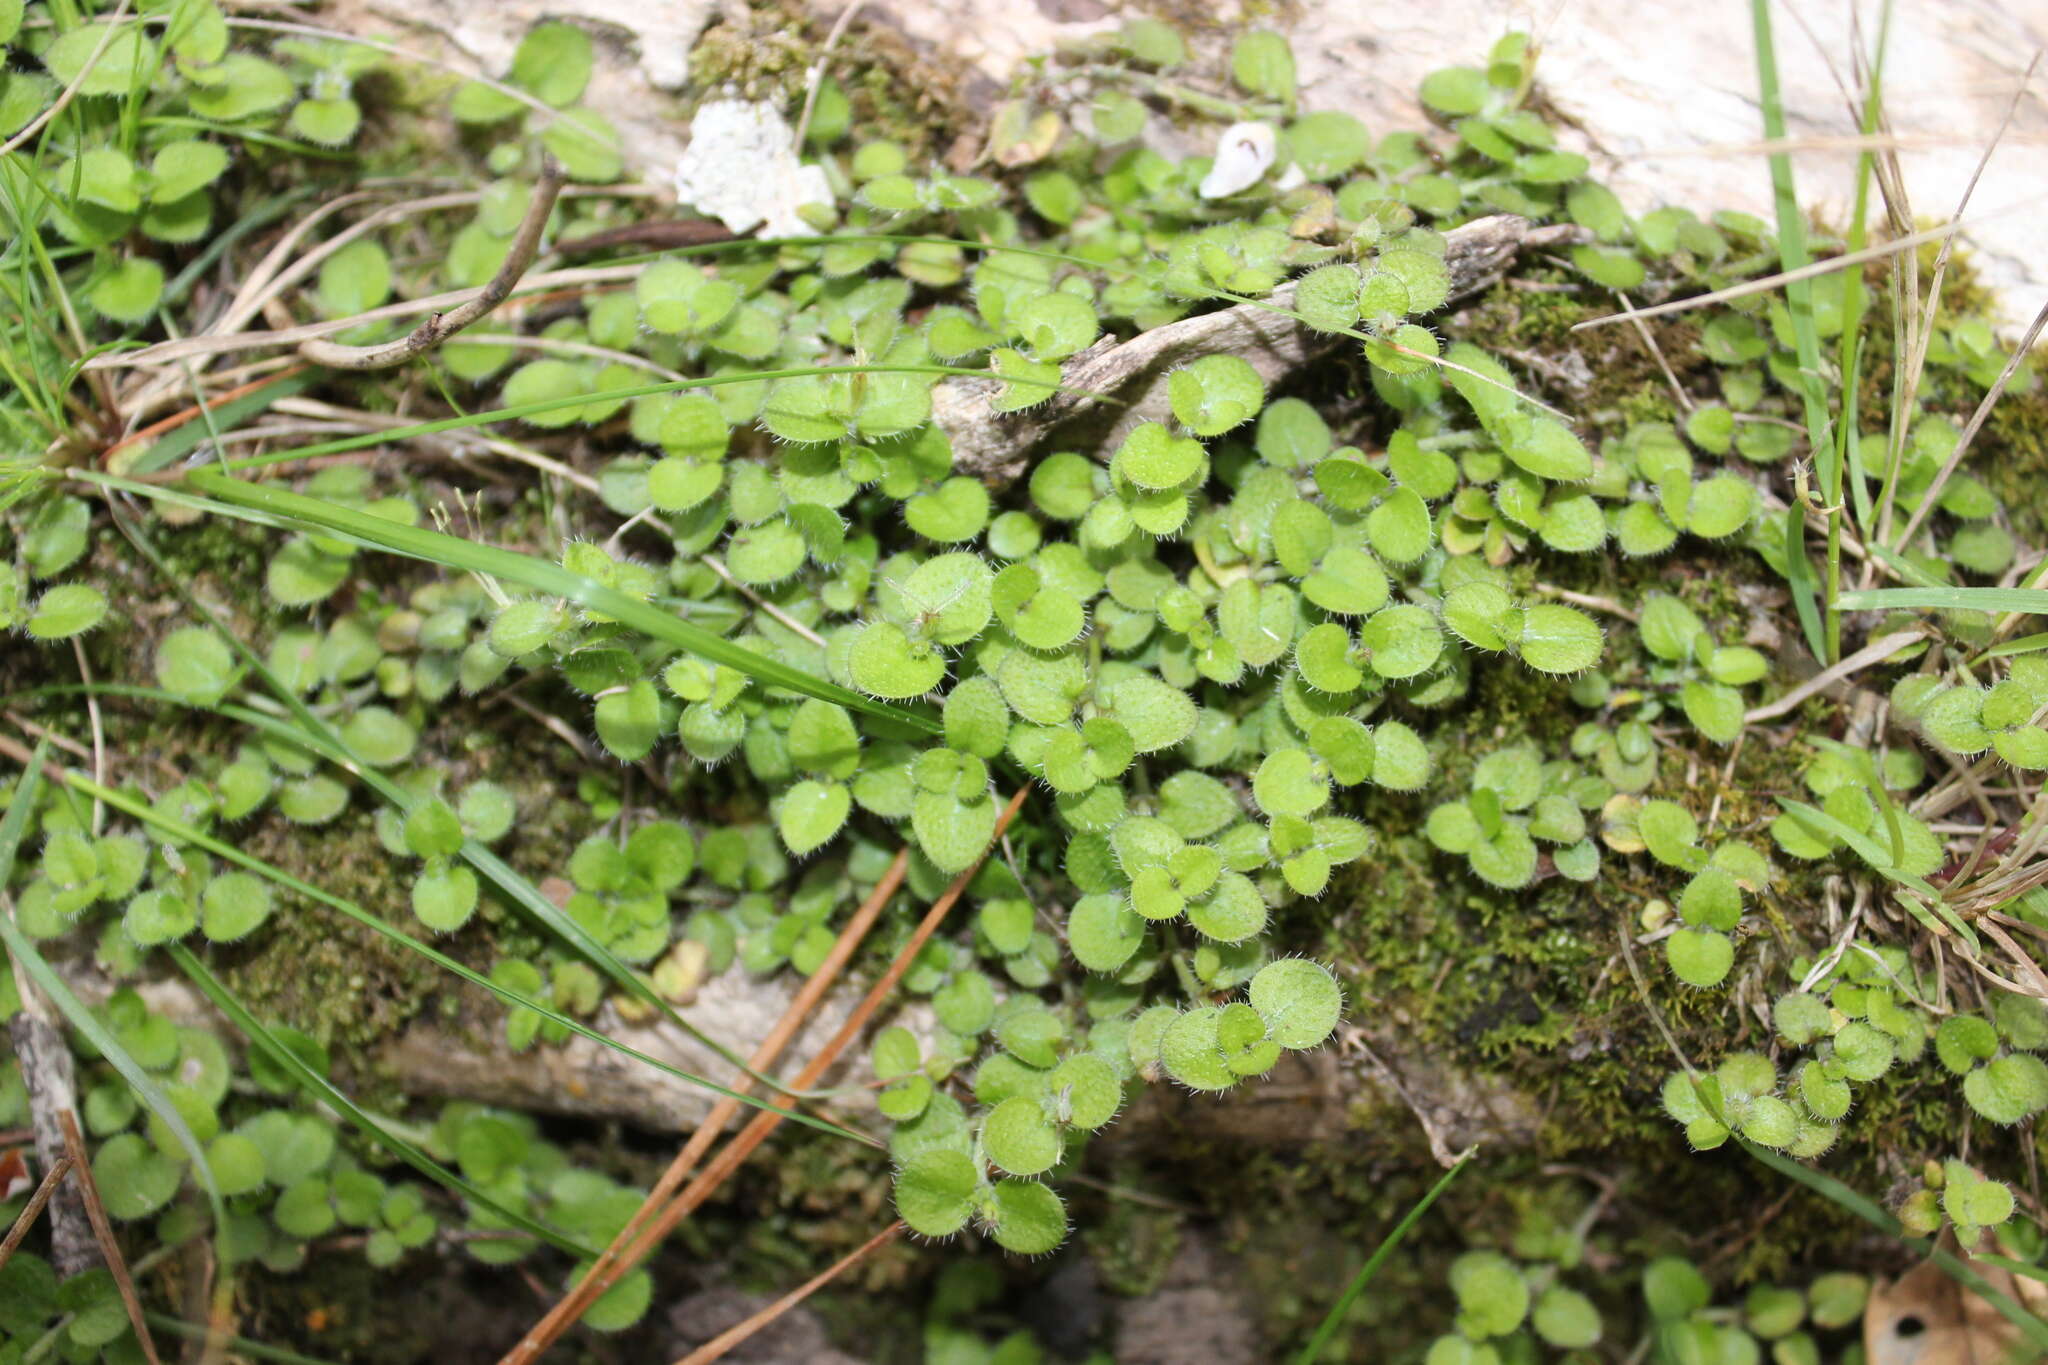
column 1613, row 672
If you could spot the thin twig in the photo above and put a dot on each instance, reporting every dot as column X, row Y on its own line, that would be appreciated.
column 1581, row 599
column 52, row 1178
column 816, row 76
column 1685, row 403
column 440, row 326
column 716, row 1348
column 554, row 725
column 255, row 298
column 81, row 1171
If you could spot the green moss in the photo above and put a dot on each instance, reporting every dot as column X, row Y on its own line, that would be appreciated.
column 898, row 92
column 2012, row 453
column 1132, row 1244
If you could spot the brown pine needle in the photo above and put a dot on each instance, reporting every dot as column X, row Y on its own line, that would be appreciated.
column 575, row 1304
column 610, row 1268
column 81, row 1171
column 51, row 1180
column 716, row 1348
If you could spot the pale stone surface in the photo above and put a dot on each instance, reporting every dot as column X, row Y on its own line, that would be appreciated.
column 1664, row 95
column 642, row 50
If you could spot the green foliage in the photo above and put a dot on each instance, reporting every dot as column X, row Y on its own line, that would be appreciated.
column 1228, row 652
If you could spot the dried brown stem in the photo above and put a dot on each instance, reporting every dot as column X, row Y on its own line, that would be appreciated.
column 440, row 326
column 716, row 1348
column 52, row 1178
column 81, row 1172
column 576, row 1302
column 609, row 1270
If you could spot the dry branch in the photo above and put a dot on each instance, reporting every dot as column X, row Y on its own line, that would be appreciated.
column 440, row 326
column 998, row 448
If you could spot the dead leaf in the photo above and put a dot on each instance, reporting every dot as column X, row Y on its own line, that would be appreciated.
column 14, row 1177
column 1926, row 1318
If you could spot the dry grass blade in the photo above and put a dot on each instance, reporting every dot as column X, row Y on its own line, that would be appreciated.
column 190, row 414
column 1921, row 335
column 729, row 1159
column 1829, row 266
column 1976, row 423
column 193, row 348
column 440, row 326
column 34, row 1210
column 573, row 1305
column 81, row 1171
column 716, row 1348
column 70, row 92
column 1832, row 143
column 1876, row 651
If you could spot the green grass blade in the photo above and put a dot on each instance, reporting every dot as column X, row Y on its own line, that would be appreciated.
column 1849, row 354
column 182, row 441
column 2008, row 1264
column 321, row 1089
column 2026, row 644
column 240, row 1346
column 453, row 552
column 1334, row 1319
column 1805, row 591
column 343, row 445
column 186, row 834
column 74, row 1011
column 506, row 878
column 1905, row 569
column 316, row 735
column 2033, row 600
column 1880, row 860
column 1794, row 255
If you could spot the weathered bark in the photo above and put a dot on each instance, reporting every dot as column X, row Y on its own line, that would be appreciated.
column 46, row 1072
column 998, row 448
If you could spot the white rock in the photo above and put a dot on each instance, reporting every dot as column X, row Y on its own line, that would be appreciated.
column 741, row 168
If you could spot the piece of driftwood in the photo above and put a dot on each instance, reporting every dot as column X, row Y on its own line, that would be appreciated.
column 997, row 448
